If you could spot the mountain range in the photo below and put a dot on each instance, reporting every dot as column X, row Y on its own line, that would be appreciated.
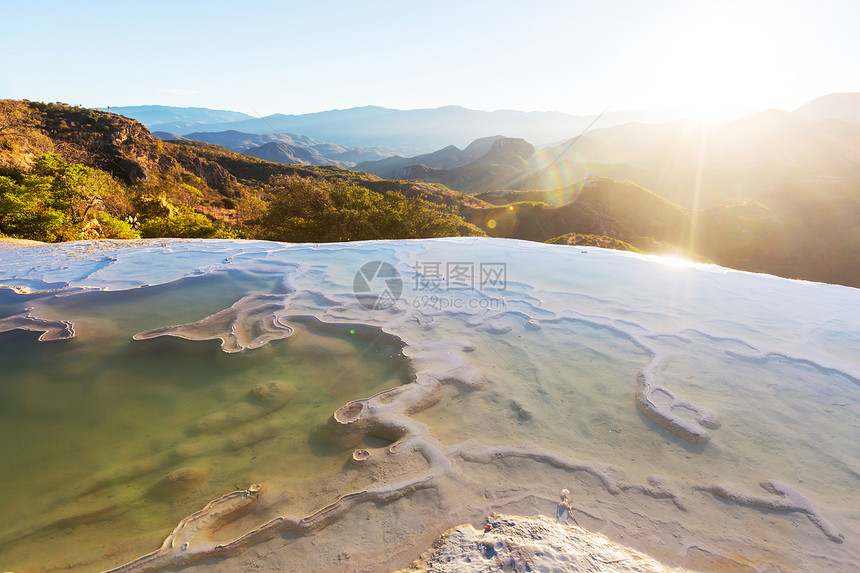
column 841, row 106
column 692, row 164
column 401, row 131
column 449, row 157
column 774, row 192
column 751, row 156
column 282, row 147
column 187, row 117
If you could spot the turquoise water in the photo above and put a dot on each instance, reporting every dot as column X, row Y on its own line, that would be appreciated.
column 107, row 443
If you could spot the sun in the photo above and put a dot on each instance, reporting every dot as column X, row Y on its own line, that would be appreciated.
column 718, row 59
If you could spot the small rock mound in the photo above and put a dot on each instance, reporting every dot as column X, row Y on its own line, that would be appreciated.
column 511, row 543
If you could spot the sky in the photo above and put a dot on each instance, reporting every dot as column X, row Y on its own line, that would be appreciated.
column 709, row 59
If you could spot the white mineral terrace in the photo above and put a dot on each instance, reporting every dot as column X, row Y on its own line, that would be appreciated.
column 238, row 405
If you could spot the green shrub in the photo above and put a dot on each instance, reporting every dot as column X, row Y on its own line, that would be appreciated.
column 52, row 202
column 186, row 225
column 32, row 209
column 154, row 206
column 317, row 210
column 224, row 232
column 113, row 228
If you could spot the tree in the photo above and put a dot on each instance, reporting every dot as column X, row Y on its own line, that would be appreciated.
column 304, row 209
column 53, row 201
column 17, row 120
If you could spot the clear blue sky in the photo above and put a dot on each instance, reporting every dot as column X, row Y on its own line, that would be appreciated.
column 574, row 56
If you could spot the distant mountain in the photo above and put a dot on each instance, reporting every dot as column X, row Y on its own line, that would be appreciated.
column 487, row 163
column 280, row 152
column 480, row 146
column 239, row 141
column 760, row 153
column 449, row 157
column 700, row 166
column 843, row 107
column 166, row 135
column 508, row 151
column 420, row 130
column 693, row 164
column 150, row 115
column 298, row 149
column 349, row 156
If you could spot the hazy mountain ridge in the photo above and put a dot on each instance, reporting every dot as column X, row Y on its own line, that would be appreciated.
column 419, row 130
column 281, row 152
column 486, row 163
column 425, row 130
column 702, row 166
column 743, row 159
column 513, row 151
column 841, row 106
column 449, row 157
column 152, row 114
column 295, row 148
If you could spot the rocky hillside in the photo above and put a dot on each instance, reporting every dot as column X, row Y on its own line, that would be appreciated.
column 70, row 173
column 805, row 233
column 600, row 207
column 106, row 141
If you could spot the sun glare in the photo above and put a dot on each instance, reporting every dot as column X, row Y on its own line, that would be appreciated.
column 717, row 60
column 674, row 261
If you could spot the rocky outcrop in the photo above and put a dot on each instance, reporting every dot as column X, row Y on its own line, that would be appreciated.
column 514, row 543
column 117, row 144
column 213, row 174
column 512, row 151
column 417, row 172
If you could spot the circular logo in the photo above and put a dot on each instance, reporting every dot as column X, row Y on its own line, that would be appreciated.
column 377, row 285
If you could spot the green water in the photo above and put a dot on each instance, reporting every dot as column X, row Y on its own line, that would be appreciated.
column 781, row 417
column 107, row 443
column 574, row 381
